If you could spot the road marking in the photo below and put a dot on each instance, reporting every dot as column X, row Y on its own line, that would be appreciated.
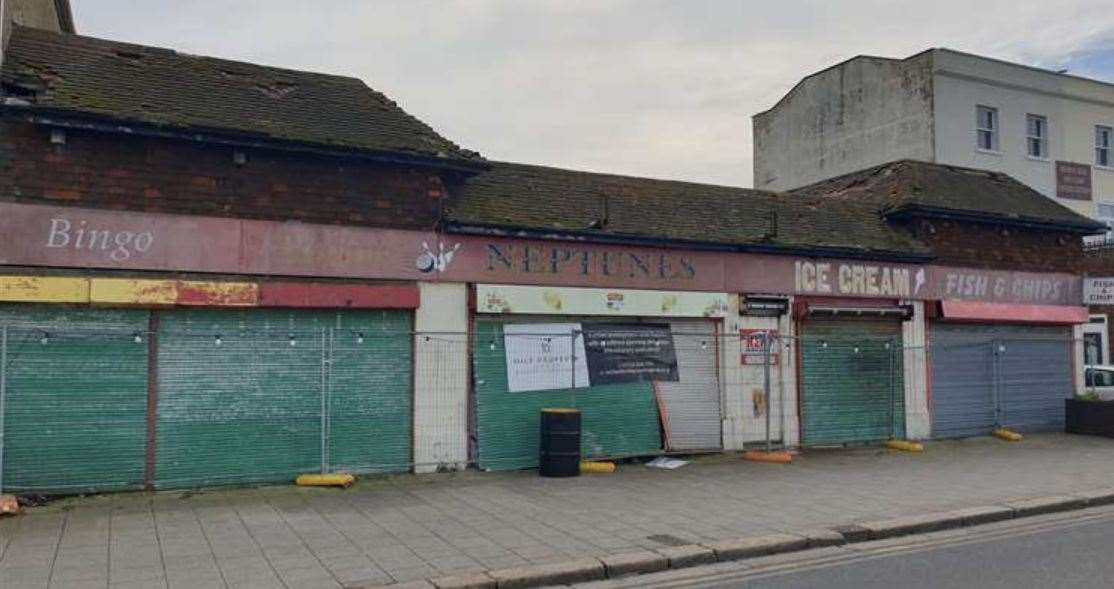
column 755, row 568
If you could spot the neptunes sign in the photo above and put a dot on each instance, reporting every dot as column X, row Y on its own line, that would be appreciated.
column 561, row 260
column 852, row 279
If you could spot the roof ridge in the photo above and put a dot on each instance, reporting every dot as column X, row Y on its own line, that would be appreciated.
column 758, row 191
column 76, row 39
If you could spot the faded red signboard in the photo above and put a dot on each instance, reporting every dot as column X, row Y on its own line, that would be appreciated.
column 1073, row 180
column 85, row 238
column 754, row 346
column 999, row 286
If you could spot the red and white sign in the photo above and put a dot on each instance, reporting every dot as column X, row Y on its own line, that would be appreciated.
column 754, row 350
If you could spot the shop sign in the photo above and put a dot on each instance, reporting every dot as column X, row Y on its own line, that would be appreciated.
column 70, row 237
column 630, row 352
column 1002, row 286
column 540, row 356
column 854, row 279
column 1098, row 291
column 754, row 342
column 1073, row 180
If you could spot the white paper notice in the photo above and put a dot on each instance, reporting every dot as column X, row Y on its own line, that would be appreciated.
column 539, row 356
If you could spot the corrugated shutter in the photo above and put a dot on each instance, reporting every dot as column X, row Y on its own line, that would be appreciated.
column 984, row 376
column 852, row 386
column 250, row 408
column 616, row 420
column 692, row 405
column 963, row 370
column 1035, row 377
column 370, row 400
column 76, row 405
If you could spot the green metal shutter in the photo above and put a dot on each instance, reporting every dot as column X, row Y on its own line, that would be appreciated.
column 370, row 400
column 853, row 390
column 617, row 420
column 76, row 406
column 250, row 408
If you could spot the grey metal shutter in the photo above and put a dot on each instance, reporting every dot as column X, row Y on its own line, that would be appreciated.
column 1034, row 371
column 962, row 358
column 691, row 408
column 1014, row 376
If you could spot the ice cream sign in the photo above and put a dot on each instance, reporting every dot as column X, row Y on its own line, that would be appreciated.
column 856, row 279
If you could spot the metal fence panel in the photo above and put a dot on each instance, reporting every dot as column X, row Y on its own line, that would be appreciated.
column 75, row 397
column 853, row 383
column 963, row 369
column 240, row 397
column 369, row 399
column 617, row 420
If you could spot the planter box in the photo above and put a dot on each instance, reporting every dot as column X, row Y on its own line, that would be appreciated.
column 1093, row 418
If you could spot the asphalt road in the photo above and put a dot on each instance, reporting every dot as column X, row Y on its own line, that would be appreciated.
column 1062, row 550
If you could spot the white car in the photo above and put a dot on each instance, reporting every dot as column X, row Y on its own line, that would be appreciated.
column 1099, row 379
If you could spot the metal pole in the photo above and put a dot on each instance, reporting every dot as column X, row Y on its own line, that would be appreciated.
column 892, row 351
column 572, row 364
column 766, row 384
column 3, row 395
column 324, row 464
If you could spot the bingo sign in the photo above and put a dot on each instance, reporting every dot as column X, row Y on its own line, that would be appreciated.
column 1098, row 291
column 754, row 351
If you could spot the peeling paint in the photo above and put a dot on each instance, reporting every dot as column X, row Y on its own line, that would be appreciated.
column 44, row 289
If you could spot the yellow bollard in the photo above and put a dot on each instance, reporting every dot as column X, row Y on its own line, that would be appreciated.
column 1005, row 434
column 9, row 505
column 597, row 467
column 340, row 479
column 904, row 446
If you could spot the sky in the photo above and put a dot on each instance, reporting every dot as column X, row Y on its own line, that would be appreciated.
column 654, row 88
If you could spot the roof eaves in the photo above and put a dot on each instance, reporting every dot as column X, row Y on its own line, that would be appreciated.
column 914, row 210
column 88, row 122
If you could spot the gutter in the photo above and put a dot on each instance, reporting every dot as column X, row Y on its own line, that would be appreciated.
column 907, row 212
column 613, row 239
column 47, row 117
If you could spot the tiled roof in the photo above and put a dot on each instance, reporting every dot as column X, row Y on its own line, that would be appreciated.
column 134, row 84
column 608, row 206
column 908, row 186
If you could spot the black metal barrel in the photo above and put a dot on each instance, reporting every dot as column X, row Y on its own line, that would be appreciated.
column 560, row 442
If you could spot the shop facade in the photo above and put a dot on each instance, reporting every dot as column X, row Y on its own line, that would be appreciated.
column 1008, row 362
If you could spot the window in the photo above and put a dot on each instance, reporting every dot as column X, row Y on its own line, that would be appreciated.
column 1036, row 136
column 1102, row 145
column 986, row 127
column 1106, row 215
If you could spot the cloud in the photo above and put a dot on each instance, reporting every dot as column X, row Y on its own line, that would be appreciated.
column 647, row 87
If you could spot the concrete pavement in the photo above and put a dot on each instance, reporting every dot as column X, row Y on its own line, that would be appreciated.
column 413, row 527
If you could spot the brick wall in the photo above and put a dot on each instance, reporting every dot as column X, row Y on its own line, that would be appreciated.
column 104, row 170
column 1007, row 248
